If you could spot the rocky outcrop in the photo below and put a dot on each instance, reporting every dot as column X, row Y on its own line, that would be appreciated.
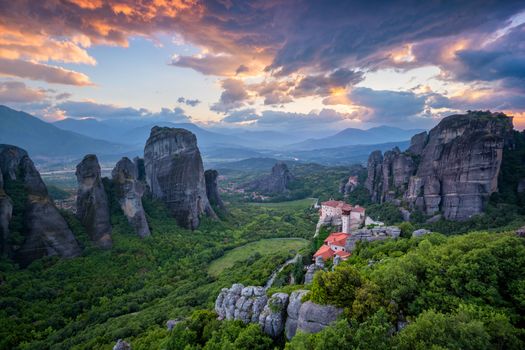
column 294, row 305
column 313, row 317
column 421, row 232
column 129, row 191
column 175, row 175
column 372, row 234
column 212, row 188
column 453, row 170
column 277, row 314
column 273, row 316
column 92, row 202
column 275, row 183
column 122, row 345
column 44, row 231
column 241, row 303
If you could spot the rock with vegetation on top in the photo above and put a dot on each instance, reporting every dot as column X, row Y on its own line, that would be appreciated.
column 175, row 174
column 92, row 202
column 212, row 188
column 292, row 311
column 129, row 191
column 275, row 183
column 453, row 170
column 273, row 316
column 44, row 232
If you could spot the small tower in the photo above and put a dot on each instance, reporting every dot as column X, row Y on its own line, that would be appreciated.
column 345, row 219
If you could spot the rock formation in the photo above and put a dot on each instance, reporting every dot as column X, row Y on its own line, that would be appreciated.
column 275, row 183
column 313, row 317
column 44, row 232
column 122, row 345
column 129, row 191
column 453, row 170
column 277, row 314
column 92, row 202
column 273, row 316
column 294, row 305
column 175, row 174
column 241, row 303
column 212, row 188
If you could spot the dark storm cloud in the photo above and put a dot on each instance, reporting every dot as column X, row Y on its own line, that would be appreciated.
column 322, row 85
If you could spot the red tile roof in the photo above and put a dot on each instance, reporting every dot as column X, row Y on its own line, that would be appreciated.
column 337, row 238
column 344, row 206
column 325, row 252
column 343, row 255
column 332, row 203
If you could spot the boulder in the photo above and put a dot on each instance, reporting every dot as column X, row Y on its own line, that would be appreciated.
column 212, row 188
column 421, row 232
column 122, row 345
column 129, row 191
column 405, row 214
column 45, row 232
column 292, row 312
column 272, row 318
column 92, row 202
column 170, row 324
column 313, row 317
column 175, row 174
column 520, row 232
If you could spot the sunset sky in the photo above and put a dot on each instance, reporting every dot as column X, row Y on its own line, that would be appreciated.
column 277, row 65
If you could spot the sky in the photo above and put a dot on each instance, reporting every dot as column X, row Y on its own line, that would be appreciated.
column 264, row 65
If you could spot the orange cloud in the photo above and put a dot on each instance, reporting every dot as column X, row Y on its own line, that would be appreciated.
column 37, row 71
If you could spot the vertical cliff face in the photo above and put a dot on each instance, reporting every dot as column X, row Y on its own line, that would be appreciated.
column 92, row 202
column 175, row 174
column 453, row 170
column 40, row 229
column 129, row 191
column 212, row 188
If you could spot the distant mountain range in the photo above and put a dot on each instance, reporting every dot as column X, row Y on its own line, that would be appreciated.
column 352, row 137
column 70, row 139
column 43, row 139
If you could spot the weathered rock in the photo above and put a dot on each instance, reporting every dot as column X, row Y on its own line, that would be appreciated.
column 45, row 232
column 310, row 272
column 212, row 188
column 170, row 324
column 418, row 143
column 371, row 234
column 421, row 232
column 292, row 311
column 129, row 191
column 313, row 317
column 433, row 219
column 521, row 186
column 453, row 170
column 275, row 183
column 175, row 174
column 273, row 316
column 520, row 232
column 92, row 202
column 241, row 303
column 122, row 345
column 405, row 214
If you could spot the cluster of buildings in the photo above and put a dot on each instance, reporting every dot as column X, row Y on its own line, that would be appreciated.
column 351, row 219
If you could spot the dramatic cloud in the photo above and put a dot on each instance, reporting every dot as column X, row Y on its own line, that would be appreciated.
column 324, row 85
column 269, row 119
column 36, row 71
column 18, row 92
column 233, row 96
column 86, row 109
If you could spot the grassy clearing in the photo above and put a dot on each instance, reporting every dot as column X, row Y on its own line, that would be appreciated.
column 298, row 204
column 263, row 247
